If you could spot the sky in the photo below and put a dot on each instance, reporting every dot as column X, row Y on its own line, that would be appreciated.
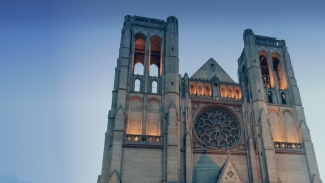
column 57, row 61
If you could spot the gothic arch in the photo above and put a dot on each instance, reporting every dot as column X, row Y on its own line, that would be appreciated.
column 136, row 97
column 287, row 110
column 276, row 126
column 208, row 90
column 275, row 110
column 156, row 35
column 155, row 54
column 153, row 117
column 279, row 72
column 231, row 92
column 263, row 53
column 289, row 129
column 200, row 89
column 192, row 88
column 223, row 91
column 140, row 35
column 153, row 99
column 238, row 93
column 134, row 125
column 139, row 50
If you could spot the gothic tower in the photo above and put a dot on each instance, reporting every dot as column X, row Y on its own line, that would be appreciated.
column 163, row 127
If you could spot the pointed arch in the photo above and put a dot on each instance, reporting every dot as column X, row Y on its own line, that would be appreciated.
column 223, row 91
column 289, row 130
column 139, row 51
column 208, row 90
column 279, row 71
column 276, row 127
column 155, row 55
column 231, row 93
column 192, row 88
column 134, row 125
column 200, row 90
column 238, row 93
column 153, row 117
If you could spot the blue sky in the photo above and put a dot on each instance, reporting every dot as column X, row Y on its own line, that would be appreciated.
column 57, row 61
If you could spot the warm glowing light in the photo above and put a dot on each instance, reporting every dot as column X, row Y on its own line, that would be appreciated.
column 192, row 88
column 157, row 139
column 150, row 139
column 200, row 91
column 207, row 90
column 223, row 91
column 136, row 138
column 129, row 138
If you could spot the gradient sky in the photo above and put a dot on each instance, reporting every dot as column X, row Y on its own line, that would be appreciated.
column 57, row 61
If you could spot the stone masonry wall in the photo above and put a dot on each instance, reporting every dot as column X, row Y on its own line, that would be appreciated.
column 141, row 165
column 292, row 168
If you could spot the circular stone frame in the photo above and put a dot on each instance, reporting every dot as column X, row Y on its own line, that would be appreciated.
column 217, row 127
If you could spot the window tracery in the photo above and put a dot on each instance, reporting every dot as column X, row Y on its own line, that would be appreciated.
column 217, row 128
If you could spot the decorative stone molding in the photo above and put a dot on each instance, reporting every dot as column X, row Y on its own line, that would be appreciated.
column 143, row 139
column 288, row 146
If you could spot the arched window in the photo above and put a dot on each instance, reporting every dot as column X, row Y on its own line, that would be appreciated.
column 139, row 53
column 154, row 87
column 230, row 92
column 265, row 72
column 200, row 91
column 138, row 69
column 137, row 85
column 223, row 91
column 207, row 90
column 134, row 125
column 154, row 70
column 279, row 74
column 283, row 98
column 238, row 93
column 192, row 88
column 270, row 98
column 155, row 56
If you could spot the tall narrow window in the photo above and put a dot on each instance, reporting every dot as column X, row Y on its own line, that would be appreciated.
column 230, row 92
column 154, row 70
column 223, row 91
column 283, row 98
column 278, row 71
column 207, row 90
column 269, row 96
column 192, row 88
column 139, row 54
column 137, row 85
column 155, row 56
column 265, row 72
column 200, row 89
column 154, row 87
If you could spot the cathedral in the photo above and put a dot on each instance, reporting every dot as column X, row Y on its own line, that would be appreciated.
column 205, row 128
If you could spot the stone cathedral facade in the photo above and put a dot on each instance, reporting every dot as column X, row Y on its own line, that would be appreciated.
column 204, row 128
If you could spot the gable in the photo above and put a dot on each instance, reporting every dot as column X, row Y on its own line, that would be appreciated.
column 229, row 173
column 210, row 69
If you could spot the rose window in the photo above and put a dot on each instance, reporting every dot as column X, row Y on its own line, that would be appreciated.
column 217, row 128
